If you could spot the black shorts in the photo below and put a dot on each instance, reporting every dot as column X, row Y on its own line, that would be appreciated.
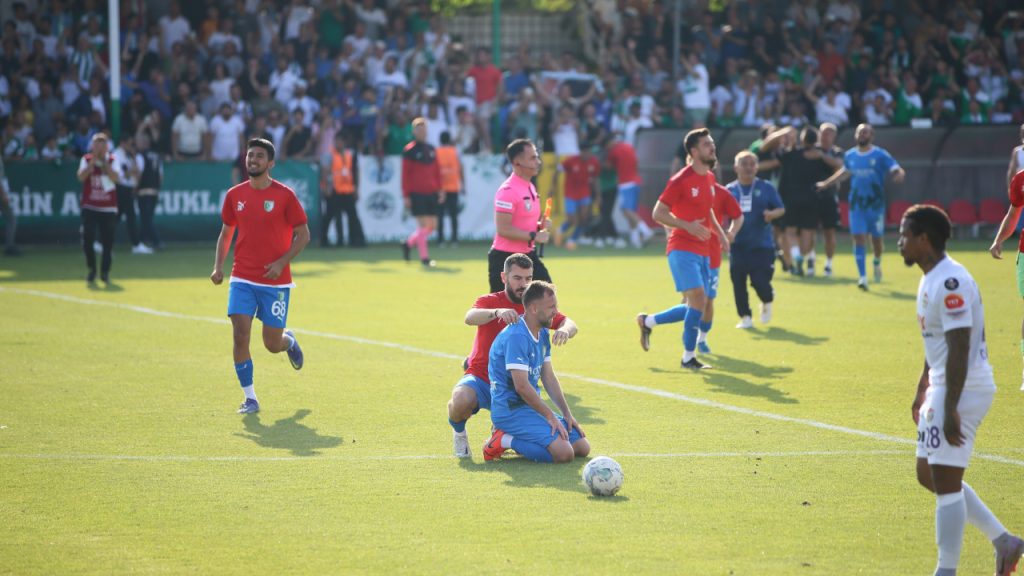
column 828, row 210
column 423, row 204
column 803, row 216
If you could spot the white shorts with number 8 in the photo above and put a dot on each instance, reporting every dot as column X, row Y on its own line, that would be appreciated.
column 931, row 439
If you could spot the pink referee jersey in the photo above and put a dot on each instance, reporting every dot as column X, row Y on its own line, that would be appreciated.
column 517, row 197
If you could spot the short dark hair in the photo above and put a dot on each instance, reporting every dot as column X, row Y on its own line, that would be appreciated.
column 809, row 136
column 519, row 260
column 446, row 138
column 516, row 147
column 536, row 290
column 931, row 221
column 693, row 137
column 262, row 143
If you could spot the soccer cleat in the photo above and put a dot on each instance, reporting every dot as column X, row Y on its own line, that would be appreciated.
column 798, row 268
column 694, row 364
column 141, row 249
column 766, row 312
column 428, row 263
column 810, row 267
column 828, row 271
column 105, row 277
column 406, row 251
column 460, row 442
column 91, row 278
column 703, row 348
column 645, row 332
column 294, row 351
column 570, row 245
column 250, row 406
column 863, row 283
column 746, row 323
column 1009, row 549
column 493, row 449
column 878, row 273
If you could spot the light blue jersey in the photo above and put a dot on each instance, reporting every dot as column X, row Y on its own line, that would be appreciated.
column 515, row 349
column 868, row 171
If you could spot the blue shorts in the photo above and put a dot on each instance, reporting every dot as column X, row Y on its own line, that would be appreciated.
column 712, row 289
column 268, row 303
column 527, row 424
column 482, row 389
column 576, row 206
column 690, row 270
column 867, row 222
column 629, row 196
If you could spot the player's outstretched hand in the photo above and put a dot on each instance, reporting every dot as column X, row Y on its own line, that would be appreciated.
column 996, row 250
column 508, row 316
column 559, row 337
column 574, row 424
column 819, row 186
column 952, row 429
column 217, row 277
column 557, row 428
column 274, row 269
column 698, row 229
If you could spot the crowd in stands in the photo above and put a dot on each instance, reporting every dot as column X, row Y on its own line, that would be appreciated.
column 201, row 77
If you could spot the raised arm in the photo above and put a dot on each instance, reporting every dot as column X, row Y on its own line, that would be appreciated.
column 1006, row 228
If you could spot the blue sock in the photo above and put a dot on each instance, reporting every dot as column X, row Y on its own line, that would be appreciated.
column 860, row 254
column 690, row 326
column 577, row 233
column 532, row 451
column 705, row 326
column 459, row 427
column 564, row 227
column 673, row 314
column 244, row 371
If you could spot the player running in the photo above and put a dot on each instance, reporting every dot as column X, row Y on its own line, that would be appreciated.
column 724, row 206
column 955, row 390
column 490, row 314
column 272, row 231
column 867, row 164
column 519, row 358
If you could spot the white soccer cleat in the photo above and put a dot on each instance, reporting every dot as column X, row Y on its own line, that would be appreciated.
column 141, row 249
column 746, row 323
column 766, row 312
column 1009, row 549
column 460, row 442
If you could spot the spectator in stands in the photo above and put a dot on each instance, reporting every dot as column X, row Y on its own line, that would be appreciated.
column 694, row 88
column 128, row 164
column 227, row 135
column 466, row 139
column 276, row 128
column 189, row 132
column 488, row 85
column 298, row 141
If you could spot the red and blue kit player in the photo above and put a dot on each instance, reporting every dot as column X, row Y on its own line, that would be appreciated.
column 272, row 231
column 520, row 358
column 685, row 207
column 1006, row 228
column 581, row 173
column 622, row 157
column 725, row 208
column 867, row 165
column 490, row 314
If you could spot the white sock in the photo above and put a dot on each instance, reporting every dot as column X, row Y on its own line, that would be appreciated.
column 644, row 229
column 702, row 336
column 650, row 322
column 506, row 441
column 687, row 355
column 980, row 516
column 950, row 518
column 812, row 255
column 463, row 433
column 291, row 341
column 794, row 251
column 828, row 261
column 250, row 392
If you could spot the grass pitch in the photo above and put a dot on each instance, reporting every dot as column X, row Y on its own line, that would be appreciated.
column 120, row 450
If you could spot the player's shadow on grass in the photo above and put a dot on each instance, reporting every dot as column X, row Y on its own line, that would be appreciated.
column 105, row 287
column 732, row 385
column 288, row 434
column 583, row 414
column 523, row 473
column 777, row 333
column 729, row 364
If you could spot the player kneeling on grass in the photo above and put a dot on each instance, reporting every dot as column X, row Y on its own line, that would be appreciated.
column 520, row 357
column 490, row 313
column 955, row 390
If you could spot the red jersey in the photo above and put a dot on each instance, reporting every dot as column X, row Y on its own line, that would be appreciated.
column 622, row 157
column 1017, row 199
column 725, row 206
column 487, row 79
column 421, row 172
column 98, row 191
column 266, row 220
column 579, row 176
column 689, row 196
column 476, row 364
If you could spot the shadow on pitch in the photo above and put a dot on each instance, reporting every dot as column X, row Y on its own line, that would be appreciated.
column 585, row 415
column 523, row 473
column 736, row 365
column 781, row 334
column 288, row 434
column 730, row 384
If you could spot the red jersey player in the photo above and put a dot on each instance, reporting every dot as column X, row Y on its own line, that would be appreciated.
column 490, row 314
column 724, row 206
column 272, row 231
column 1006, row 229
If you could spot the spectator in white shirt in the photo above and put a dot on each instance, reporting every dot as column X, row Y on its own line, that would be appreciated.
column 173, row 28
column 372, row 17
column 221, row 83
column 391, row 76
column 695, row 90
column 310, row 107
column 826, row 109
column 128, row 165
column 188, row 134
column 283, row 80
column 359, row 41
column 276, row 129
column 298, row 13
column 227, row 133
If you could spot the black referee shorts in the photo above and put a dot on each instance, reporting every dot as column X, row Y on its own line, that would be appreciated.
column 496, row 265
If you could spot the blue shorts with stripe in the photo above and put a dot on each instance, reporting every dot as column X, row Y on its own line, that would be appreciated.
column 712, row 289
column 690, row 270
column 629, row 196
column 482, row 389
column 268, row 303
column 527, row 424
column 576, row 206
column 867, row 222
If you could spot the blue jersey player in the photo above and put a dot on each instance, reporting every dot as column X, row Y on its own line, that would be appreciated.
column 520, row 358
column 867, row 166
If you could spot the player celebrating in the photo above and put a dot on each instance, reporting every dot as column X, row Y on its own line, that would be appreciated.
column 1006, row 228
column 490, row 313
column 724, row 206
column 272, row 231
column 685, row 208
column 868, row 165
column 520, row 356
column 955, row 390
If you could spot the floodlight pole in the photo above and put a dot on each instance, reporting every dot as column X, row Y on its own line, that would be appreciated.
column 677, row 19
column 496, row 32
column 114, row 42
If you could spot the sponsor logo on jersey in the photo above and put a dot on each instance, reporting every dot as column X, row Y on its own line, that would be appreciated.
column 503, row 204
column 954, row 302
column 951, row 283
column 241, row 206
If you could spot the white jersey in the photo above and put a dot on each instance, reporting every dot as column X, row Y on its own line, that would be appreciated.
column 948, row 299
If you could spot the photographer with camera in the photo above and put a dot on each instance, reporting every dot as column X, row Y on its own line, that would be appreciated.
column 99, row 204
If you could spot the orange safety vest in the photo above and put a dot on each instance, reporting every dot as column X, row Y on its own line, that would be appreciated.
column 341, row 172
column 451, row 175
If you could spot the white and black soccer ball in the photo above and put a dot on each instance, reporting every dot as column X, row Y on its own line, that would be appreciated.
column 603, row 476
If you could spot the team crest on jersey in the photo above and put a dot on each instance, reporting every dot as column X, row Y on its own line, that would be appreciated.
column 951, row 284
column 954, row 302
column 930, row 415
column 241, row 206
column 268, row 205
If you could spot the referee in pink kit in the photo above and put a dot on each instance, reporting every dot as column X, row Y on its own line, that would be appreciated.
column 517, row 215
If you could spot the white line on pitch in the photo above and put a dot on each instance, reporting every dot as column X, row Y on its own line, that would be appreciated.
column 600, row 381
column 654, row 455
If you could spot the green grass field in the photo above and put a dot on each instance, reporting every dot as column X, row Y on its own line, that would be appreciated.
column 120, row 451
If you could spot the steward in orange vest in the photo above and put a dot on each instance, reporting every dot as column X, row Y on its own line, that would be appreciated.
column 451, row 184
column 340, row 188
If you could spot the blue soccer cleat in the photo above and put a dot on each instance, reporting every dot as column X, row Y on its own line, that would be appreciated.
column 703, row 348
column 250, row 406
column 295, row 352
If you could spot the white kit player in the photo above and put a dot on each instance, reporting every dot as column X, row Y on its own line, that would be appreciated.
column 955, row 390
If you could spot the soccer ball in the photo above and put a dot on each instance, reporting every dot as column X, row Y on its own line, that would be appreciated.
column 603, row 476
